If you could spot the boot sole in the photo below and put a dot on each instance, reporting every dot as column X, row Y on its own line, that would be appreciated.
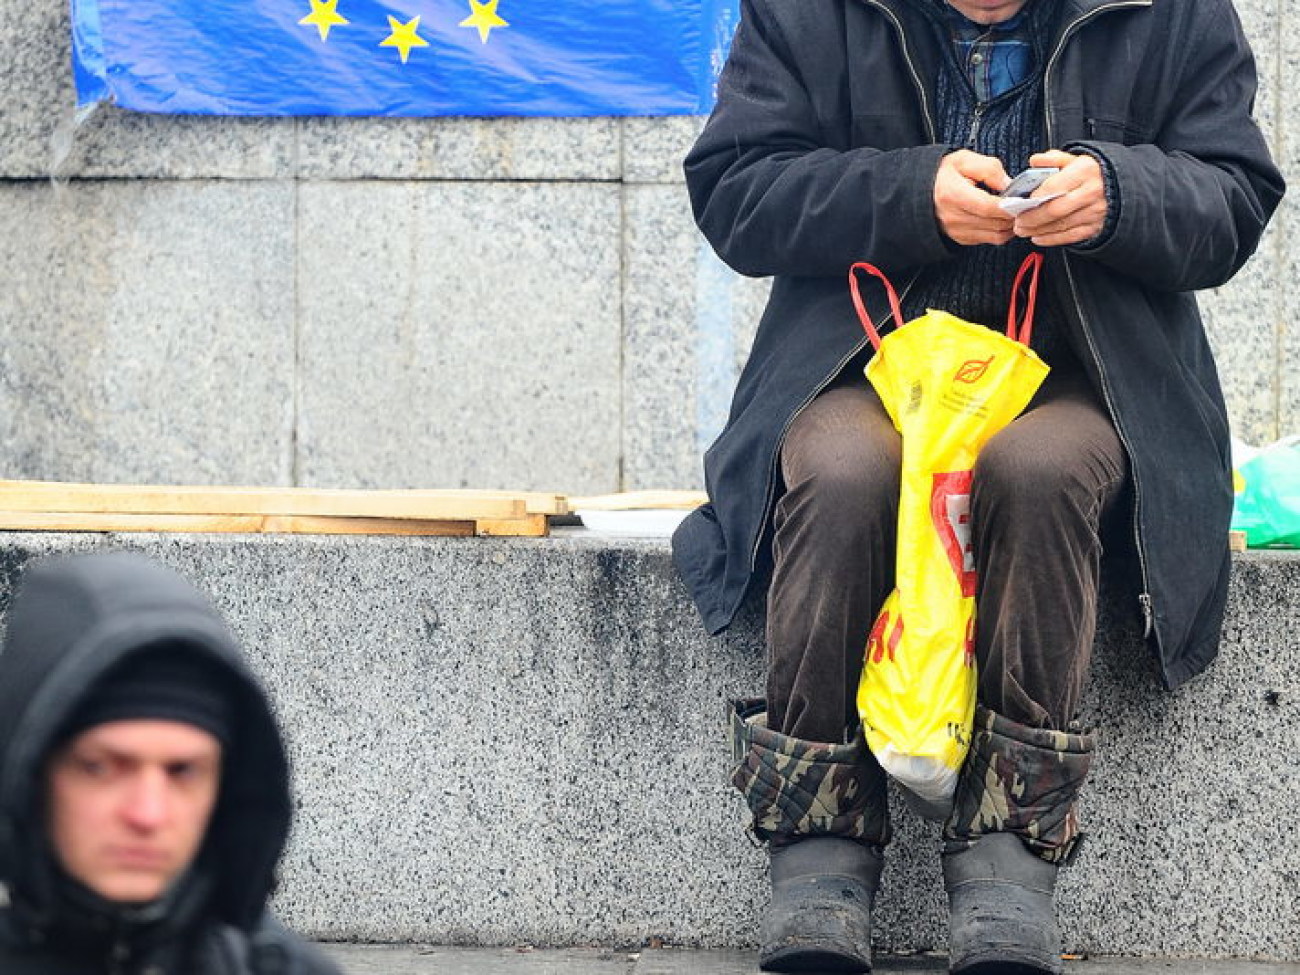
column 1004, row 968
column 800, row 959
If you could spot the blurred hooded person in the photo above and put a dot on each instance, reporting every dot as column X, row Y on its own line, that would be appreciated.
column 144, row 796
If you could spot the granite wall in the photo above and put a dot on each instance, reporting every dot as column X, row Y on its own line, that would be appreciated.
column 523, row 742
column 493, row 303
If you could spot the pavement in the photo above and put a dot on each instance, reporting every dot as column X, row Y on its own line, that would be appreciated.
column 429, row 960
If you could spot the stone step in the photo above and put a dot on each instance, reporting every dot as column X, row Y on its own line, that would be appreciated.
column 521, row 741
column 426, row 960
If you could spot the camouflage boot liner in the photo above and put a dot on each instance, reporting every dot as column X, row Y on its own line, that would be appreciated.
column 1020, row 780
column 801, row 788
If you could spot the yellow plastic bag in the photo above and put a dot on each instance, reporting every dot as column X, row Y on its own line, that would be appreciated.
column 949, row 385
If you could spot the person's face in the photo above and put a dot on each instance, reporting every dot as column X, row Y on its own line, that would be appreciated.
column 128, row 804
column 987, row 11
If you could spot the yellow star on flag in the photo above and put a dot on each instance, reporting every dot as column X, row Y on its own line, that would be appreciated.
column 484, row 17
column 403, row 36
column 324, row 15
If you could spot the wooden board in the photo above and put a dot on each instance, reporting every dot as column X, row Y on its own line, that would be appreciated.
column 535, row 502
column 55, row 506
column 97, row 521
column 79, row 521
column 55, row 497
column 324, row 525
column 532, row 526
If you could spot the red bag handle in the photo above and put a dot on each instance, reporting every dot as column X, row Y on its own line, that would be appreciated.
column 1020, row 331
column 1032, row 265
column 863, row 316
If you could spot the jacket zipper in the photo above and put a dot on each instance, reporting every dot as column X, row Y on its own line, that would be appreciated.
column 911, row 67
column 1144, row 597
column 972, row 140
column 1145, row 603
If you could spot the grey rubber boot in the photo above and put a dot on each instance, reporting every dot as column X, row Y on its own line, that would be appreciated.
column 1001, row 917
column 823, row 889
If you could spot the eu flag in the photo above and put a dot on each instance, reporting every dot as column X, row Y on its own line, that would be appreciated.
column 402, row 57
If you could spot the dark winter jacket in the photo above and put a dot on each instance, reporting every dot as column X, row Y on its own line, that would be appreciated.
column 72, row 621
column 822, row 151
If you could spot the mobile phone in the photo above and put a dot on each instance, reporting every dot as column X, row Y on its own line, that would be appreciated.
column 1028, row 181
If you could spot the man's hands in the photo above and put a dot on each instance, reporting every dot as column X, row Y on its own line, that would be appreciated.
column 967, row 208
column 967, row 212
column 1077, row 216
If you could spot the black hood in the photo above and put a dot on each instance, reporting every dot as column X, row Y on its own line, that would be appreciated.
column 71, row 621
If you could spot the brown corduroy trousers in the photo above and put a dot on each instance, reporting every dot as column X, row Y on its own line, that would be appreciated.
column 1040, row 491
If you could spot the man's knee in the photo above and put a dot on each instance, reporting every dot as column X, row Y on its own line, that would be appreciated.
column 1025, row 479
column 844, row 478
column 1013, row 467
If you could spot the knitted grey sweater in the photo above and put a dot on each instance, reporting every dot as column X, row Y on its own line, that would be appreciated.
column 976, row 283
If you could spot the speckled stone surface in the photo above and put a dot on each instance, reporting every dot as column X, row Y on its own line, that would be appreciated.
column 1181, row 858
column 677, row 962
column 145, row 329
column 1287, row 297
column 35, row 79
column 1241, row 320
column 119, row 144
column 653, row 148
column 422, row 960
column 459, row 335
column 522, row 742
column 458, row 148
column 1246, row 319
column 689, row 325
column 428, row 960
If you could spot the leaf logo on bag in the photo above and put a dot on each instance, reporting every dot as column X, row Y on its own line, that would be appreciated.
column 973, row 370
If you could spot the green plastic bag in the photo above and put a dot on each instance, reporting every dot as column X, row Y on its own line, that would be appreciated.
column 1267, row 504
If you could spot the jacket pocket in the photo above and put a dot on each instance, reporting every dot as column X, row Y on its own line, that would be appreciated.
column 1126, row 132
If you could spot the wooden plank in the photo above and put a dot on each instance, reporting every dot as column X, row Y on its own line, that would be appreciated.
column 532, row 526
column 536, row 502
column 633, row 500
column 84, row 521
column 435, row 505
column 324, row 525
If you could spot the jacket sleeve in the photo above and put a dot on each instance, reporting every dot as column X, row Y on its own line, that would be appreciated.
column 773, row 196
column 1193, row 205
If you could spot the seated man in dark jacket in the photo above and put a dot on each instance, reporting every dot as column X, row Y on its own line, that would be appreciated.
column 881, row 131
column 145, row 797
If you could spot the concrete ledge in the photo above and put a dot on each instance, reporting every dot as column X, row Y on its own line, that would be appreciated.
column 521, row 741
column 426, row 960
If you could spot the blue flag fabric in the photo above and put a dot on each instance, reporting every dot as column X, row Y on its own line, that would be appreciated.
column 402, row 57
